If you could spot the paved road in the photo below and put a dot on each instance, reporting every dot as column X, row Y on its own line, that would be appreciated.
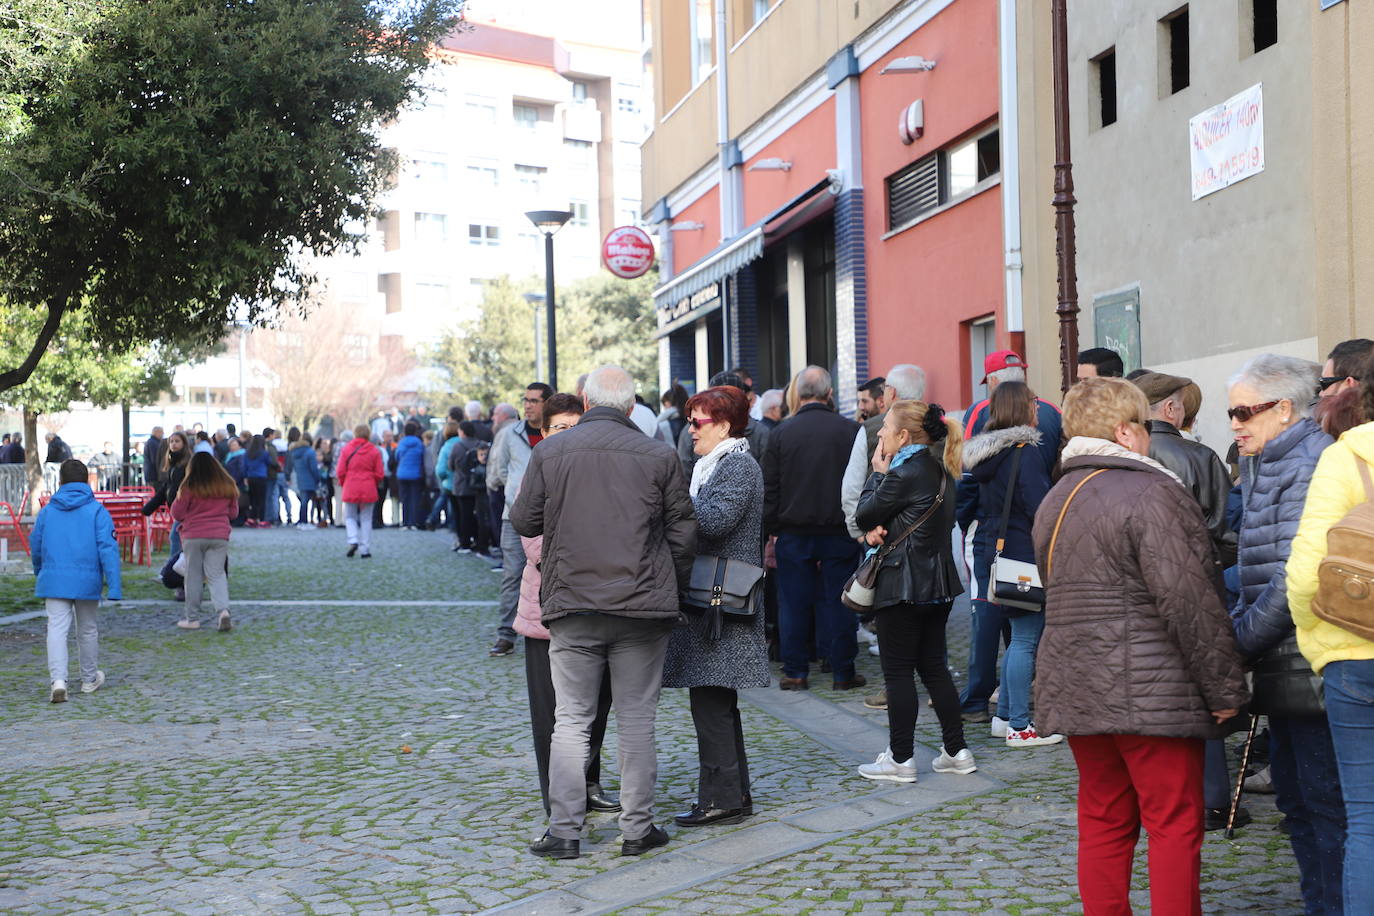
column 263, row 771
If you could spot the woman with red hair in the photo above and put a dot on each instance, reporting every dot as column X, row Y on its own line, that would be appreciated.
column 715, row 660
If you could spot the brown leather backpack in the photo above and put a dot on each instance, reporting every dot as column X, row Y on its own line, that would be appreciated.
column 1345, row 578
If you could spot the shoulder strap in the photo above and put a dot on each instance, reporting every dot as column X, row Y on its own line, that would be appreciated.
column 1364, row 478
column 1011, row 490
column 925, row 516
column 1049, row 562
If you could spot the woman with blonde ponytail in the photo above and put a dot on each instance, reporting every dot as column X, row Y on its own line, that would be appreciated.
column 909, row 501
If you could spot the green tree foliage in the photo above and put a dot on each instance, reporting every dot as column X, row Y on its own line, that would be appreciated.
column 170, row 166
column 601, row 320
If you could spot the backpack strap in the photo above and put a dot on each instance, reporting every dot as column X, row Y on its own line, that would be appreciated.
column 1049, row 562
column 1364, row 478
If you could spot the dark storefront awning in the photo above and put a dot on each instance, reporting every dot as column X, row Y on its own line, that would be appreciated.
column 696, row 291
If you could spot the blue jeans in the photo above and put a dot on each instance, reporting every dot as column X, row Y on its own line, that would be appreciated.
column 270, row 512
column 438, row 501
column 984, row 637
column 1350, row 710
column 412, row 492
column 1018, row 666
column 812, row 571
column 1307, row 788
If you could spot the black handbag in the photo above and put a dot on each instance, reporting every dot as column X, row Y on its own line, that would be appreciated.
column 1014, row 583
column 1284, row 684
column 721, row 586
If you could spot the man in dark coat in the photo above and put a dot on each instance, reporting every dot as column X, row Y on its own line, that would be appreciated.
column 152, row 457
column 619, row 541
column 803, row 467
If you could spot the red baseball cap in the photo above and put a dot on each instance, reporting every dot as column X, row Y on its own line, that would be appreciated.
column 1002, row 359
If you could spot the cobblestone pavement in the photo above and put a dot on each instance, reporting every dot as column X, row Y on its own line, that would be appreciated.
column 265, row 771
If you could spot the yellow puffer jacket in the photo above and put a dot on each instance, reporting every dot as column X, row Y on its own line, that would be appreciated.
column 1335, row 489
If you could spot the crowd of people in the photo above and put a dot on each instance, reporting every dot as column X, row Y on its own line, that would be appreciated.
column 1145, row 596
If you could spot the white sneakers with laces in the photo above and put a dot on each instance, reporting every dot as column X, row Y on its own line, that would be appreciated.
column 961, row 763
column 93, row 686
column 1029, row 737
column 1000, row 727
column 59, row 692
column 887, row 769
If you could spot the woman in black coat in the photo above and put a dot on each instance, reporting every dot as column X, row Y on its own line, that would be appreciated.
column 917, row 583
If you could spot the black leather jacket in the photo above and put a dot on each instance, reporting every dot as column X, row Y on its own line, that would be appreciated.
column 921, row 568
column 1203, row 473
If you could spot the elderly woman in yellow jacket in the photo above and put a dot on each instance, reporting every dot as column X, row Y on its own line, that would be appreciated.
column 1346, row 660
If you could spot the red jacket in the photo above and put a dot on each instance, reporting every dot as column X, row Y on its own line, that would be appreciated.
column 204, row 518
column 360, row 470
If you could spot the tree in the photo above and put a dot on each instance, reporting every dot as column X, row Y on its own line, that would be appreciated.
column 175, row 164
column 615, row 321
column 78, row 367
column 491, row 358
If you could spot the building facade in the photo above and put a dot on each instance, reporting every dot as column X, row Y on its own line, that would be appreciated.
column 826, row 183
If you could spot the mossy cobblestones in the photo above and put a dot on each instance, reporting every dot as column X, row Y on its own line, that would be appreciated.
column 263, row 771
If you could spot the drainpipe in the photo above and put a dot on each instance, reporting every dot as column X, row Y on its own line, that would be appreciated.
column 1010, row 129
column 728, row 229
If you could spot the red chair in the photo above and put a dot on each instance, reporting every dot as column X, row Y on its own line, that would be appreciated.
column 131, row 528
column 160, row 527
column 12, row 519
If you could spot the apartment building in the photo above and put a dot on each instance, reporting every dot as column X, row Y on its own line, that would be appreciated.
column 826, row 183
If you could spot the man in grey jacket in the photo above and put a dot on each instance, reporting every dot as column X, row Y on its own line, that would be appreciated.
column 510, row 453
column 619, row 540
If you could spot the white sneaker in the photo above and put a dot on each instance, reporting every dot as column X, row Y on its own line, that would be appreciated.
column 59, row 691
column 1000, row 727
column 961, row 763
column 1029, row 737
column 93, row 686
column 996, row 695
column 889, row 770
column 864, row 634
column 873, row 650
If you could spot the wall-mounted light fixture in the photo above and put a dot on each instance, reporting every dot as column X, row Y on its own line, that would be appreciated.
column 908, row 65
column 770, row 165
column 687, row 226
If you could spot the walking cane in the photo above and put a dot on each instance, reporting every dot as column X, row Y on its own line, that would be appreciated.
column 1240, row 780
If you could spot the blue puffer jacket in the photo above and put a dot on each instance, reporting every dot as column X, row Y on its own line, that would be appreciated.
column 73, row 547
column 410, row 458
column 305, row 468
column 988, row 462
column 255, row 467
column 1273, row 490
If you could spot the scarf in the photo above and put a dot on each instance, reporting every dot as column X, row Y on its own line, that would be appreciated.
column 1086, row 445
column 904, row 454
column 706, row 465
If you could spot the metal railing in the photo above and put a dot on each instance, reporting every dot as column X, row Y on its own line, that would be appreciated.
column 13, row 482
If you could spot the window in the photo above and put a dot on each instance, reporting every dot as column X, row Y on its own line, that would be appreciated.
column 429, row 168
column 357, row 346
column 1173, row 52
column 480, row 110
column 627, row 106
column 579, row 90
column 703, row 20
column 1265, row 23
column 579, row 213
column 760, row 9
column 481, row 234
column 482, row 175
column 531, row 177
column 431, row 228
column 528, row 115
column 941, row 177
column 578, row 144
column 432, row 295
column 1104, row 67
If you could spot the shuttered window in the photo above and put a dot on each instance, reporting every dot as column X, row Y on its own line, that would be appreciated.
column 913, row 191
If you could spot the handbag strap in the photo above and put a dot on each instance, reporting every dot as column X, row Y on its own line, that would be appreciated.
column 925, row 516
column 1049, row 562
column 718, row 585
column 1364, row 478
column 1011, row 490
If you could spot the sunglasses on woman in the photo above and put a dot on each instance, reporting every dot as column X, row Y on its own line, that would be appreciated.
column 1243, row 414
column 1326, row 381
column 698, row 424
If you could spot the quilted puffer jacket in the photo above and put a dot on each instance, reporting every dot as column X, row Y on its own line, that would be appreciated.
column 1136, row 639
column 620, row 533
column 1274, row 489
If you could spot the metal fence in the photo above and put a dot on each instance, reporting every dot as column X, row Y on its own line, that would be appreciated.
column 12, row 484
column 113, row 477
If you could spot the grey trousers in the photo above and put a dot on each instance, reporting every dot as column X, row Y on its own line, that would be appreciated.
column 61, row 611
column 206, row 559
column 583, row 647
column 513, row 567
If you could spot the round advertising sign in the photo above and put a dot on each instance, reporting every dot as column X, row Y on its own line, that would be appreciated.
column 628, row 252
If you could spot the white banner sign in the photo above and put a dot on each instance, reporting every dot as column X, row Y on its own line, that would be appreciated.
column 1227, row 142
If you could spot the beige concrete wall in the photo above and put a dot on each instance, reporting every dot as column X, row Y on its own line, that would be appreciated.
column 791, row 45
column 1343, row 172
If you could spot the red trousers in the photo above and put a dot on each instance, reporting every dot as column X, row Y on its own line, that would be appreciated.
column 1125, row 781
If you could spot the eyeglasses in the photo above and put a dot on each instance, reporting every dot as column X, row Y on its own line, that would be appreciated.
column 1244, row 414
column 558, row 427
column 698, row 424
column 1326, row 381
column 534, row 400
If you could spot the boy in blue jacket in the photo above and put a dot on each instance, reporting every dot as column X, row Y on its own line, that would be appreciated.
column 74, row 552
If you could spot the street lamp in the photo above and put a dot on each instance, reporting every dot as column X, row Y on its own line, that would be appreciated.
column 549, row 222
column 535, row 299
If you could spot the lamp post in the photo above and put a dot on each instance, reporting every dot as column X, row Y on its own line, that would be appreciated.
column 549, row 222
column 535, row 299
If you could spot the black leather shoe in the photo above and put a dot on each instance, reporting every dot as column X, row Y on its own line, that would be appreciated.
column 655, row 838
column 853, row 683
column 747, row 806
column 600, row 800
column 706, row 817
column 352, row 549
column 552, row 847
column 1216, row 818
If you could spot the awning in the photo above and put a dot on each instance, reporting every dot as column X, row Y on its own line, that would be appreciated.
column 696, row 291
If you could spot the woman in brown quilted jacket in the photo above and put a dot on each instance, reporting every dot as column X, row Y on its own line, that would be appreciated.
column 1138, row 664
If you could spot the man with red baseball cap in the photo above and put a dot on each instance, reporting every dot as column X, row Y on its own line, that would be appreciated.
column 1000, row 366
